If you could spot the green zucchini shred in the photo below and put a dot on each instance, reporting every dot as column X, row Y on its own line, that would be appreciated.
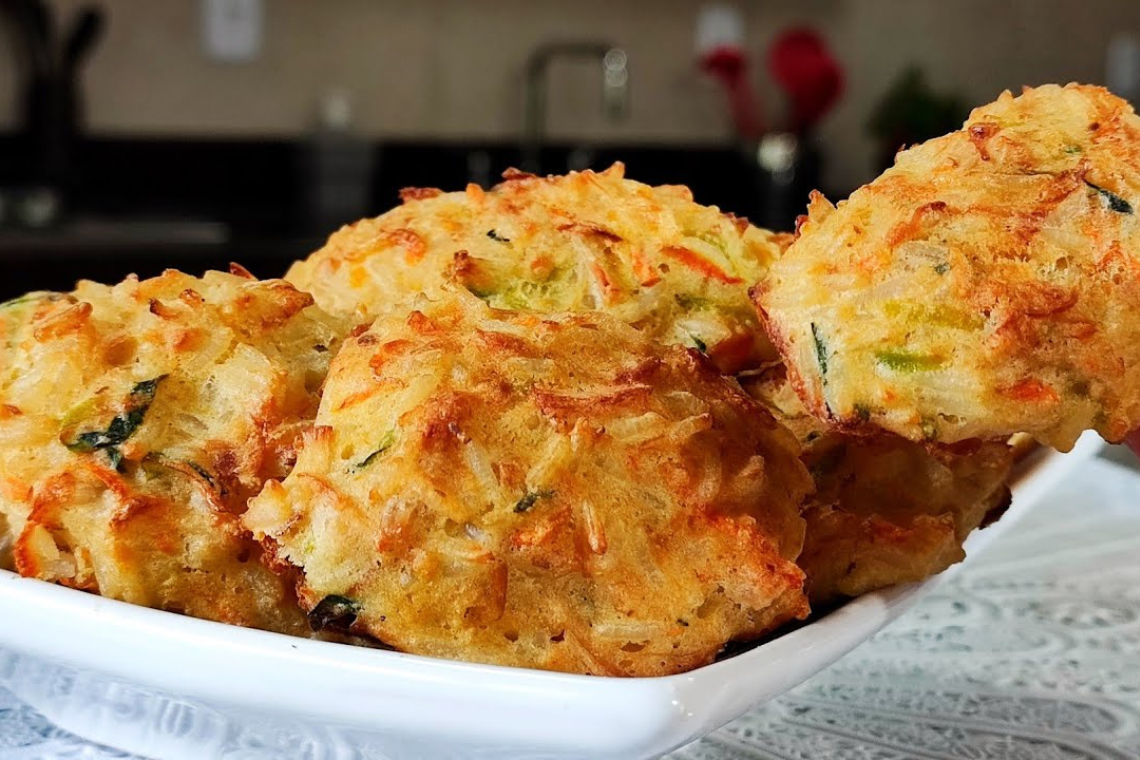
column 715, row 240
column 941, row 315
column 530, row 498
column 202, row 471
column 522, row 295
column 691, row 302
column 482, row 295
column 334, row 608
column 155, row 463
column 386, row 443
column 121, row 427
column 820, row 351
column 908, row 361
column 38, row 295
column 1113, row 201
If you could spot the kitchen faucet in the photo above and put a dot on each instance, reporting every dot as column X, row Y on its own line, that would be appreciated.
column 615, row 89
column 52, row 114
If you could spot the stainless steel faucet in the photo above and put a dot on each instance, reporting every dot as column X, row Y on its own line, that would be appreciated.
column 615, row 89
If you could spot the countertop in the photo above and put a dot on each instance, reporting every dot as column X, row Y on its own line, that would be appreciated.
column 143, row 204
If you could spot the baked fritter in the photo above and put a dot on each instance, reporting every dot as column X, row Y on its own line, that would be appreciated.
column 584, row 241
column 6, row 539
column 987, row 284
column 135, row 422
column 555, row 492
column 886, row 510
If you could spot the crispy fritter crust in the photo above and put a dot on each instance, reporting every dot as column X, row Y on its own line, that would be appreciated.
column 987, row 284
column 886, row 510
column 136, row 421
column 554, row 492
column 585, row 241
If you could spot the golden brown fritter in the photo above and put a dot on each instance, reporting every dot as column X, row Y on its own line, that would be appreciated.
column 555, row 492
column 987, row 284
column 6, row 539
column 585, row 241
column 136, row 420
column 886, row 510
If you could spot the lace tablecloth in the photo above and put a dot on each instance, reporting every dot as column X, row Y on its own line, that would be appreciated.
column 1032, row 652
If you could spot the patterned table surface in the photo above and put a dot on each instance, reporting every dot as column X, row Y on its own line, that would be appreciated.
column 1031, row 653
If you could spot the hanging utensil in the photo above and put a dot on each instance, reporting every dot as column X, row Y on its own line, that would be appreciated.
column 811, row 78
column 720, row 51
column 86, row 28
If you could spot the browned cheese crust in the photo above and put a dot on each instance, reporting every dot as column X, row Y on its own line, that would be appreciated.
column 547, row 491
column 588, row 240
column 987, row 284
column 135, row 422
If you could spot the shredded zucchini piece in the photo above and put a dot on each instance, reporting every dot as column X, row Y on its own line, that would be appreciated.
column 908, row 361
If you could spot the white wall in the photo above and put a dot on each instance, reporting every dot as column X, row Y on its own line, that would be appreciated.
column 453, row 69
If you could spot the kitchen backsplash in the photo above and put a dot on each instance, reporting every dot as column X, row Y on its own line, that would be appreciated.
column 453, row 69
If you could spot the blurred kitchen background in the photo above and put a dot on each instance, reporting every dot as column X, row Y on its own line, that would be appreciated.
column 140, row 134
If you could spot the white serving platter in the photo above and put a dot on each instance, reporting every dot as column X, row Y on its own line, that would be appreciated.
column 172, row 687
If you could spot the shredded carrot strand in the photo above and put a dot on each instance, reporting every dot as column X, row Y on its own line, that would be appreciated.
column 699, row 263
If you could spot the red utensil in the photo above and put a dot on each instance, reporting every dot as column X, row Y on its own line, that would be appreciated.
column 811, row 78
column 720, row 51
column 730, row 68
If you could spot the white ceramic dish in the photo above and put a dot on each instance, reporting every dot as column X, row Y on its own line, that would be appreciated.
column 175, row 688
